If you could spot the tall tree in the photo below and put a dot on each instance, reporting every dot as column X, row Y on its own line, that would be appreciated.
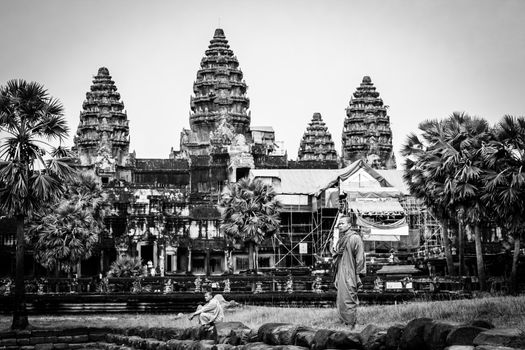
column 425, row 176
column 463, row 163
column 30, row 118
column 66, row 232
column 250, row 214
column 505, row 181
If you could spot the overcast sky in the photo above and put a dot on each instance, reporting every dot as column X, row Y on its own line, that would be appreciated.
column 426, row 58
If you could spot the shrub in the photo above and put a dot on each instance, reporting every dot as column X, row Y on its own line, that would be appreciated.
column 126, row 266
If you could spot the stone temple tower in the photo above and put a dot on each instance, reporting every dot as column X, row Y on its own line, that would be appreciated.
column 102, row 138
column 317, row 144
column 366, row 132
column 220, row 99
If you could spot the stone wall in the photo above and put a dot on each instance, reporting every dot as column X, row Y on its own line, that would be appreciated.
column 418, row 334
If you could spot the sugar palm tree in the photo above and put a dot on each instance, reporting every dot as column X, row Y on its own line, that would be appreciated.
column 505, row 180
column 463, row 163
column 250, row 214
column 64, row 237
column 65, row 232
column 30, row 118
column 426, row 179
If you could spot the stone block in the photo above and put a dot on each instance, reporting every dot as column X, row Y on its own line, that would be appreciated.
column 176, row 344
column 60, row 346
column 463, row 335
column 494, row 347
column 230, row 332
column 37, row 340
column 51, row 339
column 23, row 341
column 23, row 333
column 27, row 347
column 372, row 337
column 75, row 331
column 42, row 333
column 511, row 337
column 284, row 334
column 345, row 340
column 264, row 332
column 94, row 337
column 8, row 342
column 7, row 334
column 45, row 346
column 393, row 336
column 460, row 347
column 206, row 344
column 292, row 347
column 258, row 346
column 321, row 339
column 435, row 334
column 305, row 338
column 151, row 344
column 135, row 341
column 481, row 323
column 79, row 338
column 224, row 347
column 412, row 337
column 173, row 333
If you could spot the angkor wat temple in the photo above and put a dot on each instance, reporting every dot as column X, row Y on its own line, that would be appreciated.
column 165, row 210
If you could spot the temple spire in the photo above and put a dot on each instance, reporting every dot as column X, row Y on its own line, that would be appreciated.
column 102, row 138
column 317, row 144
column 366, row 132
column 220, row 95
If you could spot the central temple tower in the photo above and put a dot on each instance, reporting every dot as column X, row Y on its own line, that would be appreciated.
column 220, row 101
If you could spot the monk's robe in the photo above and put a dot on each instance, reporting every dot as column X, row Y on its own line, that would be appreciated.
column 350, row 260
column 211, row 312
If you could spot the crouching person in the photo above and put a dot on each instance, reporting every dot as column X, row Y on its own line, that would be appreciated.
column 210, row 313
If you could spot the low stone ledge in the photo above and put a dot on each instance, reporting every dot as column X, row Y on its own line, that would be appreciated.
column 510, row 337
column 412, row 337
column 435, row 334
column 493, row 347
column 463, row 335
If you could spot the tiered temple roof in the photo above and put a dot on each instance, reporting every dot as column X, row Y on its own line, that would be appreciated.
column 317, row 144
column 103, row 132
column 220, row 95
column 366, row 132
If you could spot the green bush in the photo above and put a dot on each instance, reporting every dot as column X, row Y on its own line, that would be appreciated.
column 126, row 266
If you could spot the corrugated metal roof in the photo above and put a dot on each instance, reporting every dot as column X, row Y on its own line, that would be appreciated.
column 299, row 181
column 313, row 181
column 395, row 178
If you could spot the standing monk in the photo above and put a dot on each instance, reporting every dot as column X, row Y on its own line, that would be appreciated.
column 350, row 264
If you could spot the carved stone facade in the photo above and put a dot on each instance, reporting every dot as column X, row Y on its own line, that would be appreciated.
column 220, row 98
column 366, row 132
column 316, row 144
column 102, row 139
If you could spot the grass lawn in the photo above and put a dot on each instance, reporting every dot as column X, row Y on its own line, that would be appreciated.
column 501, row 311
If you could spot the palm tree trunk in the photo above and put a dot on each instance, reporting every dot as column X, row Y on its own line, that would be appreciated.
column 461, row 247
column 479, row 257
column 251, row 261
column 448, row 252
column 514, row 272
column 20, row 320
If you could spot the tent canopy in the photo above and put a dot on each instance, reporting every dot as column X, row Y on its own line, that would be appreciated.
column 376, row 207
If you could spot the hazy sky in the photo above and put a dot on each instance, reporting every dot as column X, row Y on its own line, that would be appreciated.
column 426, row 58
